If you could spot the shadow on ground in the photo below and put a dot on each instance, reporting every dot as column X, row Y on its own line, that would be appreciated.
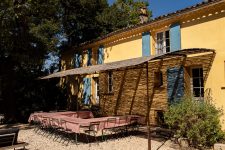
column 67, row 138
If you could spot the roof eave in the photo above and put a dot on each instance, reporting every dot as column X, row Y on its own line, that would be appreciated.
column 140, row 27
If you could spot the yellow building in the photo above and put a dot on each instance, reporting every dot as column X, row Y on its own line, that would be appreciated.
column 197, row 27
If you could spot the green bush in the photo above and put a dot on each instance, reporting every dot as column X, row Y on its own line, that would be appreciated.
column 197, row 121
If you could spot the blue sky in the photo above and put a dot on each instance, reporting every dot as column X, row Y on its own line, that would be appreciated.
column 162, row 7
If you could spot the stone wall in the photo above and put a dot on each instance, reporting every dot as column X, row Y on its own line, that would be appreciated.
column 129, row 94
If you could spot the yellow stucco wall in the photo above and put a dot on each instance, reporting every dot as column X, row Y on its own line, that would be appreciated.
column 124, row 49
column 209, row 33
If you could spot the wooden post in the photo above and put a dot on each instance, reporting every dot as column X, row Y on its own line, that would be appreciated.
column 148, row 109
column 120, row 91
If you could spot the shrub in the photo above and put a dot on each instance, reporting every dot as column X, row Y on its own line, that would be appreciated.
column 197, row 121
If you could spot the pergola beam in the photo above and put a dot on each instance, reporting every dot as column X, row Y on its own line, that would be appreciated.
column 148, row 109
column 124, row 63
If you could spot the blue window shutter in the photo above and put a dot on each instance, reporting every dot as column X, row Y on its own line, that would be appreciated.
column 87, row 90
column 146, row 47
column 100, row 55
column 89, row 57
column 175, row 37
column 77, row 60
column 175, row 84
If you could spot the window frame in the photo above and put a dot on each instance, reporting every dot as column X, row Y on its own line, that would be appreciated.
column 165, row 41
column 201, row 86
column 97, row 90
column 110, row 82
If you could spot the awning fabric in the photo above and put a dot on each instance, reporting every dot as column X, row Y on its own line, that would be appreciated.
column 125, row 63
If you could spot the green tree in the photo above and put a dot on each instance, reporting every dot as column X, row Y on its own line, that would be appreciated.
column 31, row 29
column 84, row 20
column 123, row 13
column 79, row 22
column 28, row 31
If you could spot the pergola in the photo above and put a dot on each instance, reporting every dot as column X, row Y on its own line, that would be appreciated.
column 131, row 63
column 125, row 63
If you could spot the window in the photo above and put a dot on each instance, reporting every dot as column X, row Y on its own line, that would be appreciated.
column 158, row 79
column 110, row 82
column 197, row 82
column 96, row 79
column 162, row 42
column 159, row 117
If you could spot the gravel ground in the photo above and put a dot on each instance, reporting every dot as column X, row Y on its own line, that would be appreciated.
column 40, row 142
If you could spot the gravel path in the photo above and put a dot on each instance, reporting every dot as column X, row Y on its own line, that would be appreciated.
column 40, row 142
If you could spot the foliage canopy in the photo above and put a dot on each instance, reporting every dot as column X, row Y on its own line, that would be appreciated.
column 31, row 29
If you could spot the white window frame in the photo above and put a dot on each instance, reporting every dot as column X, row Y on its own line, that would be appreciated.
column 97, row 89
column 201, row 86
column 165, row 47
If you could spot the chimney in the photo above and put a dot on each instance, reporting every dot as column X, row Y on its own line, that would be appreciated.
column 143, row 15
